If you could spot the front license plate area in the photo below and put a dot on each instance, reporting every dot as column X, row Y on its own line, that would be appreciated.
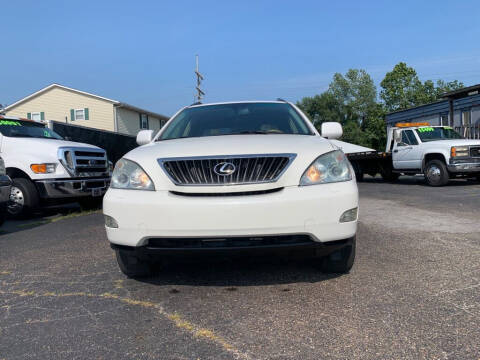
column 97, row 192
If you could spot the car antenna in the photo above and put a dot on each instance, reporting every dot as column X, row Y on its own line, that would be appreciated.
column 200, row 93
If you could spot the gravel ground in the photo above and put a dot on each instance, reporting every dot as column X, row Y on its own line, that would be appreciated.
column 414, row 292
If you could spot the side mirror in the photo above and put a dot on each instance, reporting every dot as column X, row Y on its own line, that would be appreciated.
column 331, row 130
column 144, row 137
column 397, row 136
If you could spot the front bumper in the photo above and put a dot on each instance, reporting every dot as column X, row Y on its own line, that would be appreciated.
column 310, row 210
column 72, row 188
column 243, row 247
column 5, row 185
column 471, row 165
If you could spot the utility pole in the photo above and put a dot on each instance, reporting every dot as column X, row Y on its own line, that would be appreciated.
column 200, row 93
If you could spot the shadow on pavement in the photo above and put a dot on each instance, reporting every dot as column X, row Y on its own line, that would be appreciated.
column 44, row 216
column 417, row 180
column 240, row 272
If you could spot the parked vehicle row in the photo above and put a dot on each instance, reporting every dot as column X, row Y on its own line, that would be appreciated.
column 438, row 152
column 45, row 169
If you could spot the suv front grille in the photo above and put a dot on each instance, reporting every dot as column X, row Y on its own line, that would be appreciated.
column 226, row 170
column 475, row 151
column 84, row 161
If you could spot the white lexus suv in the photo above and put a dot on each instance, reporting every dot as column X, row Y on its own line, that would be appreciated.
column 232, row 178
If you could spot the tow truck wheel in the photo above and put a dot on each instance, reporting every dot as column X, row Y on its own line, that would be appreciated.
column 24, row 198
column 340, row 261
column 436, row 173
column 389, row 175
column 358, row 171
column 131, row 265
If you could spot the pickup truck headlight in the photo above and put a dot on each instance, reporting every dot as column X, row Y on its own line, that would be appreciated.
column 459, row 151
column 43, row 168
column 327, row 168
column 129, row 175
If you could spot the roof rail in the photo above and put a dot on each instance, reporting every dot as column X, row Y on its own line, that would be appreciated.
column 282, row 100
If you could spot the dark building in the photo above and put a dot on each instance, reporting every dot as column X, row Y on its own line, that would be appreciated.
column 459, row 109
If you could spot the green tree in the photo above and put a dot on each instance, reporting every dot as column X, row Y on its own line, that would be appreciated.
column 443, row 87
column 355, row 92
column 321, row 108
column 400, row 88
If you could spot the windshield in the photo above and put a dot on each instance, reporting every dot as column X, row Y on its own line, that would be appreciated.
column 236, row 119
column 437, row 133
column 20, row 128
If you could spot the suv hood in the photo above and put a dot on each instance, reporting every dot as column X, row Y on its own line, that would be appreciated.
column 306, row 147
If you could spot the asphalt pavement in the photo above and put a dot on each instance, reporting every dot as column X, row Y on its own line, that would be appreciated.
column 414, row 291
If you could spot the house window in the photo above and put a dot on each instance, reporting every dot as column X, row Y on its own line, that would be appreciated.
column 444, row 120
column 466, row 118
column 143, row 121
column 80, row 114
column 36, row 116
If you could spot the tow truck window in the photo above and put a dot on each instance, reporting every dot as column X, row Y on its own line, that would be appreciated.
column 437, row 133
column 408, row 138
column 30, row 129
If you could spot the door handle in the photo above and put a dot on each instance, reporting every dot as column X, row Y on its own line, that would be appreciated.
column 409, row 147
column 395, row 151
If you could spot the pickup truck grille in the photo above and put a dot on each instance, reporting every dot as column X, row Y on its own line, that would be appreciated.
column 84, row 161
column 475, row 151
column 226, row 170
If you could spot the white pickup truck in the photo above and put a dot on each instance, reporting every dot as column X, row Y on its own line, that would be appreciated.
column 46, row 169
column 438, row 152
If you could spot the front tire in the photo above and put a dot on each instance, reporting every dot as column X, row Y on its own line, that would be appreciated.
column 340, row 261
column 24, row 199
column 436, row 173
column 131, row 265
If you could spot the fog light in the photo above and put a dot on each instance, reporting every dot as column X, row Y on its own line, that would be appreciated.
column 349, row 215
column 110, row 222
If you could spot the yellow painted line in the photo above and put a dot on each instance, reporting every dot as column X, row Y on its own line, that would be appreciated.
column 5, row 273
column 175, row 318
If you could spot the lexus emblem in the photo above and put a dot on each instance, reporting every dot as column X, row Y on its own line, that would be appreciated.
column 224, row 169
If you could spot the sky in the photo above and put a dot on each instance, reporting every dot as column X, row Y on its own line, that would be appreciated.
column 143, row 52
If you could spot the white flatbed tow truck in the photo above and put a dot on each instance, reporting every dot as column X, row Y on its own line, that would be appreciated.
column 437, row 152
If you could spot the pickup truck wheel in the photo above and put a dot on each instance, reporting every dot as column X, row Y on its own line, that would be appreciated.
column 340, row 261
column 131, row 265
column 24, row 198
column 436, row 173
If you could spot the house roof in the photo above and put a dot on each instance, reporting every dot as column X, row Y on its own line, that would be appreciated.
column 114, row 102
column 462, row 92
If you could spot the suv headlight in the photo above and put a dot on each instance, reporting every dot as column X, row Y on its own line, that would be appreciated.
column 129, row 175
column 327, row 168
column 459, row 151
